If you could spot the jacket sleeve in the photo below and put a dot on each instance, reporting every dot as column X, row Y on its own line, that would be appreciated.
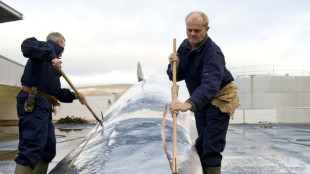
column 180, row 71
column 180, row 74
column 37, row 50
column 65, row 95
column 211, row 80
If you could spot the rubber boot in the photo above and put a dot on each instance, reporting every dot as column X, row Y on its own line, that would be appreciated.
column 212, row 170
column 41, row 167
column 20, row 169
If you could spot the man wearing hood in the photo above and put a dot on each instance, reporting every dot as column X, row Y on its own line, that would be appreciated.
column 41, row 90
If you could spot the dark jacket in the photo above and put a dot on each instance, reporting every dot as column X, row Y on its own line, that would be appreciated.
column 203, row 70
column 39, row 71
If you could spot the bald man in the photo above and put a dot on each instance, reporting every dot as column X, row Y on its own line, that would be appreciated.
column 201, row 63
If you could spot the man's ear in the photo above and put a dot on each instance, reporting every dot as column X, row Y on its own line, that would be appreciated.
column 59, row 42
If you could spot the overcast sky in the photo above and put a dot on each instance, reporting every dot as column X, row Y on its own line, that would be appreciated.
column 106, row 39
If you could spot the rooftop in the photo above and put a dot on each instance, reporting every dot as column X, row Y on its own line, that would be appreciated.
column 8, row 14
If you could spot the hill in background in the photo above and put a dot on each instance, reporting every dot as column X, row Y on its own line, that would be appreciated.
column 104, row 89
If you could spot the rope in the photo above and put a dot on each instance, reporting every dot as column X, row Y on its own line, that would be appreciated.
column 163, row 137
column 70, row 139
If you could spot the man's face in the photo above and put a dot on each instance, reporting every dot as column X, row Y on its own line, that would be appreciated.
column 62, row 44
column 195, row 30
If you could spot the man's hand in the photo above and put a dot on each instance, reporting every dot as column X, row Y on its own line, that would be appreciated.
column 179, row 106
column 81, row 98
column 56, row 63
column 174, row 57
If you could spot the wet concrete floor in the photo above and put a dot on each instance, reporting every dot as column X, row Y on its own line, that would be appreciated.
column 67, row 137
column 250, row 149
column 267, row 149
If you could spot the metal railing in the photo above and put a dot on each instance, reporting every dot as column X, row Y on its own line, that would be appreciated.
column 270, row 70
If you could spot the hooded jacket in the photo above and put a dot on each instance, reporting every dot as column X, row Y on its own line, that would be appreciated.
column 39, row 71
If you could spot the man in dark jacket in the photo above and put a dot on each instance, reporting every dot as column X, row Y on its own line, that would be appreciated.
column 200, row 62
column 41, row 90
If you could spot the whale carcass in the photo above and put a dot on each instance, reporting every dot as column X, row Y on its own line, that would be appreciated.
column 130, row 140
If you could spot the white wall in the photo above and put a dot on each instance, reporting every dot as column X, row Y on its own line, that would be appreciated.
column 282, row 99
column 298, row 115
column 254, row 116
column 10, row 72
column 270, row 92
column 10, row 75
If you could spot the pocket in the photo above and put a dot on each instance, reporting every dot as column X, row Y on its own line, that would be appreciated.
column 22, row 95
column 43, row 105
column 20, row 99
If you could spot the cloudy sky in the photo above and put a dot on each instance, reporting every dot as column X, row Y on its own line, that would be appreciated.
column 106, row 39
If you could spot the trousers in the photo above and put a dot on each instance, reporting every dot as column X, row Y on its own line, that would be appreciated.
column 212, row 126
column 36, row 132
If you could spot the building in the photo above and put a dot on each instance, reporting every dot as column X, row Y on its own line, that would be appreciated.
column 10, row 71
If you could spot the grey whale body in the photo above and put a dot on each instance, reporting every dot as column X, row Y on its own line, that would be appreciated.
column 130, row 140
